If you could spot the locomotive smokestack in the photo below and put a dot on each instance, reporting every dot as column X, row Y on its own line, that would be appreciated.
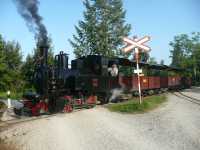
column 28, row 9
column 42, row 71
column 43, row 55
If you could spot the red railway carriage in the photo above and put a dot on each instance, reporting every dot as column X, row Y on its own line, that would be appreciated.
column 186, row 82
column 154, row 82
column 125, row 82
column 178, row 80
column 150, row 82
column 144, row 82
column 174, row 82
column 171, row 81
column 164, row 82
column 134, row 82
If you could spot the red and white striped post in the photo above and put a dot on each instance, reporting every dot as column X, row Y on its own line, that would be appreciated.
column 138, row 72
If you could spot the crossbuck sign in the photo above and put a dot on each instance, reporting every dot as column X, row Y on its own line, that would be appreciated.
column 137, row 45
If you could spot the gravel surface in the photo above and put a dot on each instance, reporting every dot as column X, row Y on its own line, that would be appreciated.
column 173, row 126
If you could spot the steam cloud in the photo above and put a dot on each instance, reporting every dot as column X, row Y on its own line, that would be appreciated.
column 28, row 9
column 115, row 94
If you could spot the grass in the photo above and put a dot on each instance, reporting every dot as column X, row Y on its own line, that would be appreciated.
column 133, row 106
column 14, row 95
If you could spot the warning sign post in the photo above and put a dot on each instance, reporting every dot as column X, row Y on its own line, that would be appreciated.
column 137, row 45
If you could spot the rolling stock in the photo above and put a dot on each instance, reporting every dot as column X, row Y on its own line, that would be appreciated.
column 62, row 89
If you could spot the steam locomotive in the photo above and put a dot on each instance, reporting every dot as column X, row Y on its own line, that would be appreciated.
column 62, row 89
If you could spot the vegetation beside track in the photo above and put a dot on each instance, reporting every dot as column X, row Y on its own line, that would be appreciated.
column 14, row 95
column 133, row 106
column 2, row 105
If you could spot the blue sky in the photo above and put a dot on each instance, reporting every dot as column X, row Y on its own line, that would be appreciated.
column 160, row 19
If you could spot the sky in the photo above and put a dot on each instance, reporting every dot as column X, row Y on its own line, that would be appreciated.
column 159, row 19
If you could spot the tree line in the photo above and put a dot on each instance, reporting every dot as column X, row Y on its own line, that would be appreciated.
column 185, row 54
column 16, row 74
column 10, row 65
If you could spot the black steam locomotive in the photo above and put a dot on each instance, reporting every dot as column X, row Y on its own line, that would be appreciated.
column 60, row 88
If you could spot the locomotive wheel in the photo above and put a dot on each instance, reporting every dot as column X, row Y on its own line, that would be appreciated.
column 101, row 99
column 39, row 108
column 18, row 111
column 35, row 111
column 23, row 111
column 104, row 98
column 89, row 106
column 67, row 108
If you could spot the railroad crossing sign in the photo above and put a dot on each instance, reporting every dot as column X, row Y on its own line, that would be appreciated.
column 135, row 43
column 138, row 71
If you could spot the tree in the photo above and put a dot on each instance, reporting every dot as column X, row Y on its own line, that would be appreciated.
column 2, row 63
column 152, row 61
column 185, row 54
column 182, row 48
column 27, row 71
column 101, row 30
column 144, row 57
column 162, row 62
column 10, row 65
column 195, row 56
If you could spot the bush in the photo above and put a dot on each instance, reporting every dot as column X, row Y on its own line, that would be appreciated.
column 14, row 95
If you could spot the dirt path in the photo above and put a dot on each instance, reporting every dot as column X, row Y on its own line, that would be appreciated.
column 175, row 125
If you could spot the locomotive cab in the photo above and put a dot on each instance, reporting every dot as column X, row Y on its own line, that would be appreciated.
column 91, row 64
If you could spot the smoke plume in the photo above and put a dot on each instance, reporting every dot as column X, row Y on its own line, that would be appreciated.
column 115, row 94
column 28, row 9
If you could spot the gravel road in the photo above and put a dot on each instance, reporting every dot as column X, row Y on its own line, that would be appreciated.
column 173, row 126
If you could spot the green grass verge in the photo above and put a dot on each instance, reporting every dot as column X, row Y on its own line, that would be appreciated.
column 133, row 106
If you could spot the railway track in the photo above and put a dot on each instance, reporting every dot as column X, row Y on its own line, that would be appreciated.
column 5, row 124
column 187, row 97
